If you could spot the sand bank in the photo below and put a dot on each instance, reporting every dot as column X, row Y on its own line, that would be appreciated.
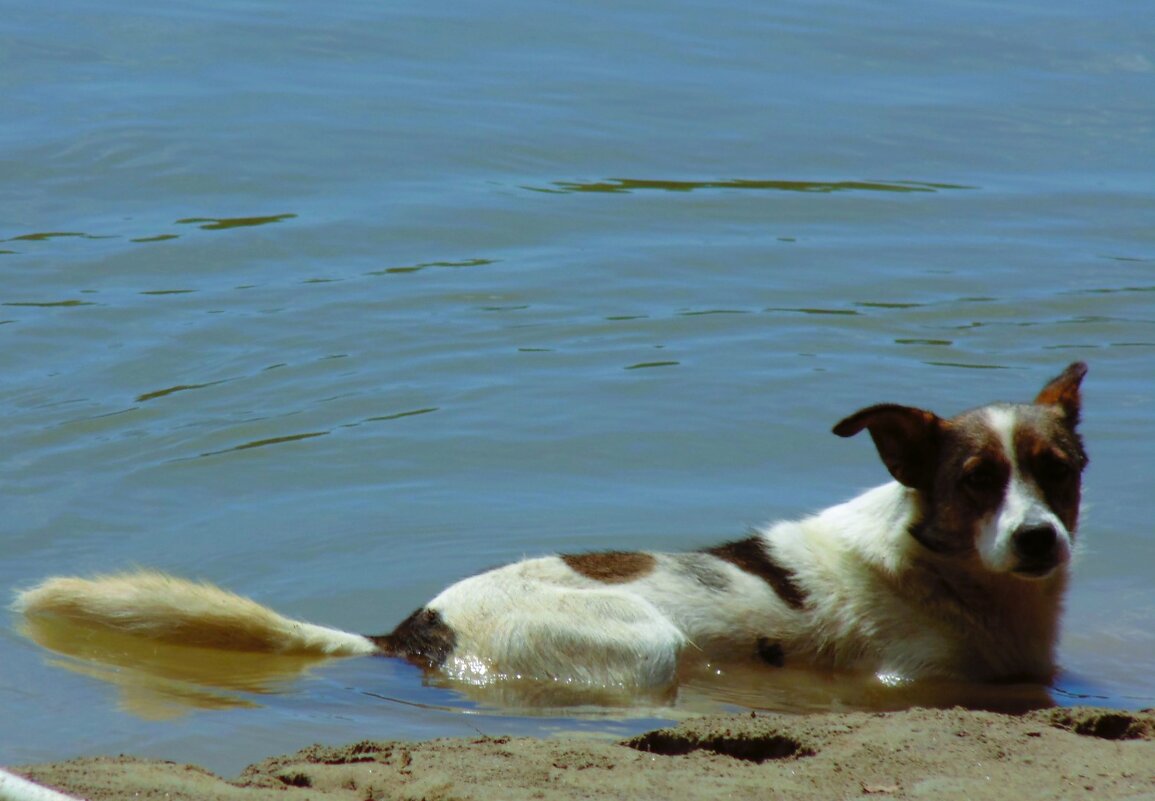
column 934, row 754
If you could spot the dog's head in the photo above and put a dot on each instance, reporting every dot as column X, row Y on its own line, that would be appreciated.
column 1003, row 480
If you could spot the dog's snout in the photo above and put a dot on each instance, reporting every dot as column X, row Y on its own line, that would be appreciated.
column 1037, row 544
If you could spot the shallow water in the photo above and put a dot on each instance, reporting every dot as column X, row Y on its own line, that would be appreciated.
column 332, row 305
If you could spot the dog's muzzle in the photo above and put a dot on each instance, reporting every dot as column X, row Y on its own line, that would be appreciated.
column 1039, row 549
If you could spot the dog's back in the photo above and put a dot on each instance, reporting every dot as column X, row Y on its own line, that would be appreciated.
column 956, row 568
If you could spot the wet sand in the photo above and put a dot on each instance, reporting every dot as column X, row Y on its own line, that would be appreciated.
column 919, row 753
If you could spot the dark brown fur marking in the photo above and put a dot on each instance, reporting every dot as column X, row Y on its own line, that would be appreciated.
column 750, row 555
column 907, row 439
column 423, row 638
column 1052, row 454
column 967, row 484
column 611, row 567
column 1063, row 392
column 973, row 472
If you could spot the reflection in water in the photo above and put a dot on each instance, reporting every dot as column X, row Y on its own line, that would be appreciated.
column 204, row 223
column 50, row 303
column 223, row 223
column 162, row 681
column 261, row 443
column 160, row 393
column 415, row 268
column 814, row 310
column 887, row 304
column 399, row 415
column 644, row 365
column 626, row 185
column 967, row 366
column 43, row 237
column 756, row 686
column 707, row 688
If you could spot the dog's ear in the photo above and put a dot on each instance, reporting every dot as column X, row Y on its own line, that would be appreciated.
column 908, row 440
column 1063, row 391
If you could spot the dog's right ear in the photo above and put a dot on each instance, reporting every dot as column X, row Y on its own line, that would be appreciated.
column 1063, row 391
column 908, row 440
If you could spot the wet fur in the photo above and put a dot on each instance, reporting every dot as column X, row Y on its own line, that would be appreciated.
column 956, row 568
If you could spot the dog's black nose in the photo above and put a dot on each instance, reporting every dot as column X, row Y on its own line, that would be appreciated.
column 1036, row 544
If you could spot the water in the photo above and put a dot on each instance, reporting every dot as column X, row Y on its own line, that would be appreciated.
column 334, row 304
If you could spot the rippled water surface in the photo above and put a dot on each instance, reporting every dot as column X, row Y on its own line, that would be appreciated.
column 335, row 303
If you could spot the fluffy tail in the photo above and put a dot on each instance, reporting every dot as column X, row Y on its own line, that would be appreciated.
column 163, row 608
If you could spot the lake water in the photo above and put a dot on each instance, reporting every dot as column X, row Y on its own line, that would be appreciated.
column 334, row 303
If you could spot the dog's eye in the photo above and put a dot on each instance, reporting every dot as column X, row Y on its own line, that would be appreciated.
column 983, row 477
column 1054, row 466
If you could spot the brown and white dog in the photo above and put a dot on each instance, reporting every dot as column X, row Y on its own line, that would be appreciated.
column 955, row 569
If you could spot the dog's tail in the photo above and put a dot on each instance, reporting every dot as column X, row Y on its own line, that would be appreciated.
column 163, row 608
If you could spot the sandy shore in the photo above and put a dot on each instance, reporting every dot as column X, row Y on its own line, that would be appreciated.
column 934, row 754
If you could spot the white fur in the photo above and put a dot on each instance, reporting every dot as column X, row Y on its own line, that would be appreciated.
column 537, row 619
column 1023, row 505
column 870, row 610
column 863, row 593
column 174, row 610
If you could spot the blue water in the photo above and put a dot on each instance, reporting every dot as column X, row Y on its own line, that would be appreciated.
column 333, row 304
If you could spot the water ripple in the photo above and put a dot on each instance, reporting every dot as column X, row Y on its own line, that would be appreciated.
column 224, row 223
column 627, row 185
column 160, row 393
column 266, row 441
column 203, row 223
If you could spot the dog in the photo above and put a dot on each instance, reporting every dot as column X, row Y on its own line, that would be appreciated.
column 956, row 569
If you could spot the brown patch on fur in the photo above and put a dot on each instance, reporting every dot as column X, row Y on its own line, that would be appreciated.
column 1051, row 454
column 751, row 555
column 423, row 638
column 969, row 483
column 1063, row 391
column 908, row 439
column 611, row 567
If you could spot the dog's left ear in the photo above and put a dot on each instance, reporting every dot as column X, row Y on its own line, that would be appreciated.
column 908, row 440
column 1063, row 391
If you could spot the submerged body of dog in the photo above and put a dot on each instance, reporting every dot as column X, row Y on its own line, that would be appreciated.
column 955, row 569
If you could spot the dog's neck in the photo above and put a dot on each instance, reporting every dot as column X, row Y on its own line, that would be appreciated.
column 1009, row 624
